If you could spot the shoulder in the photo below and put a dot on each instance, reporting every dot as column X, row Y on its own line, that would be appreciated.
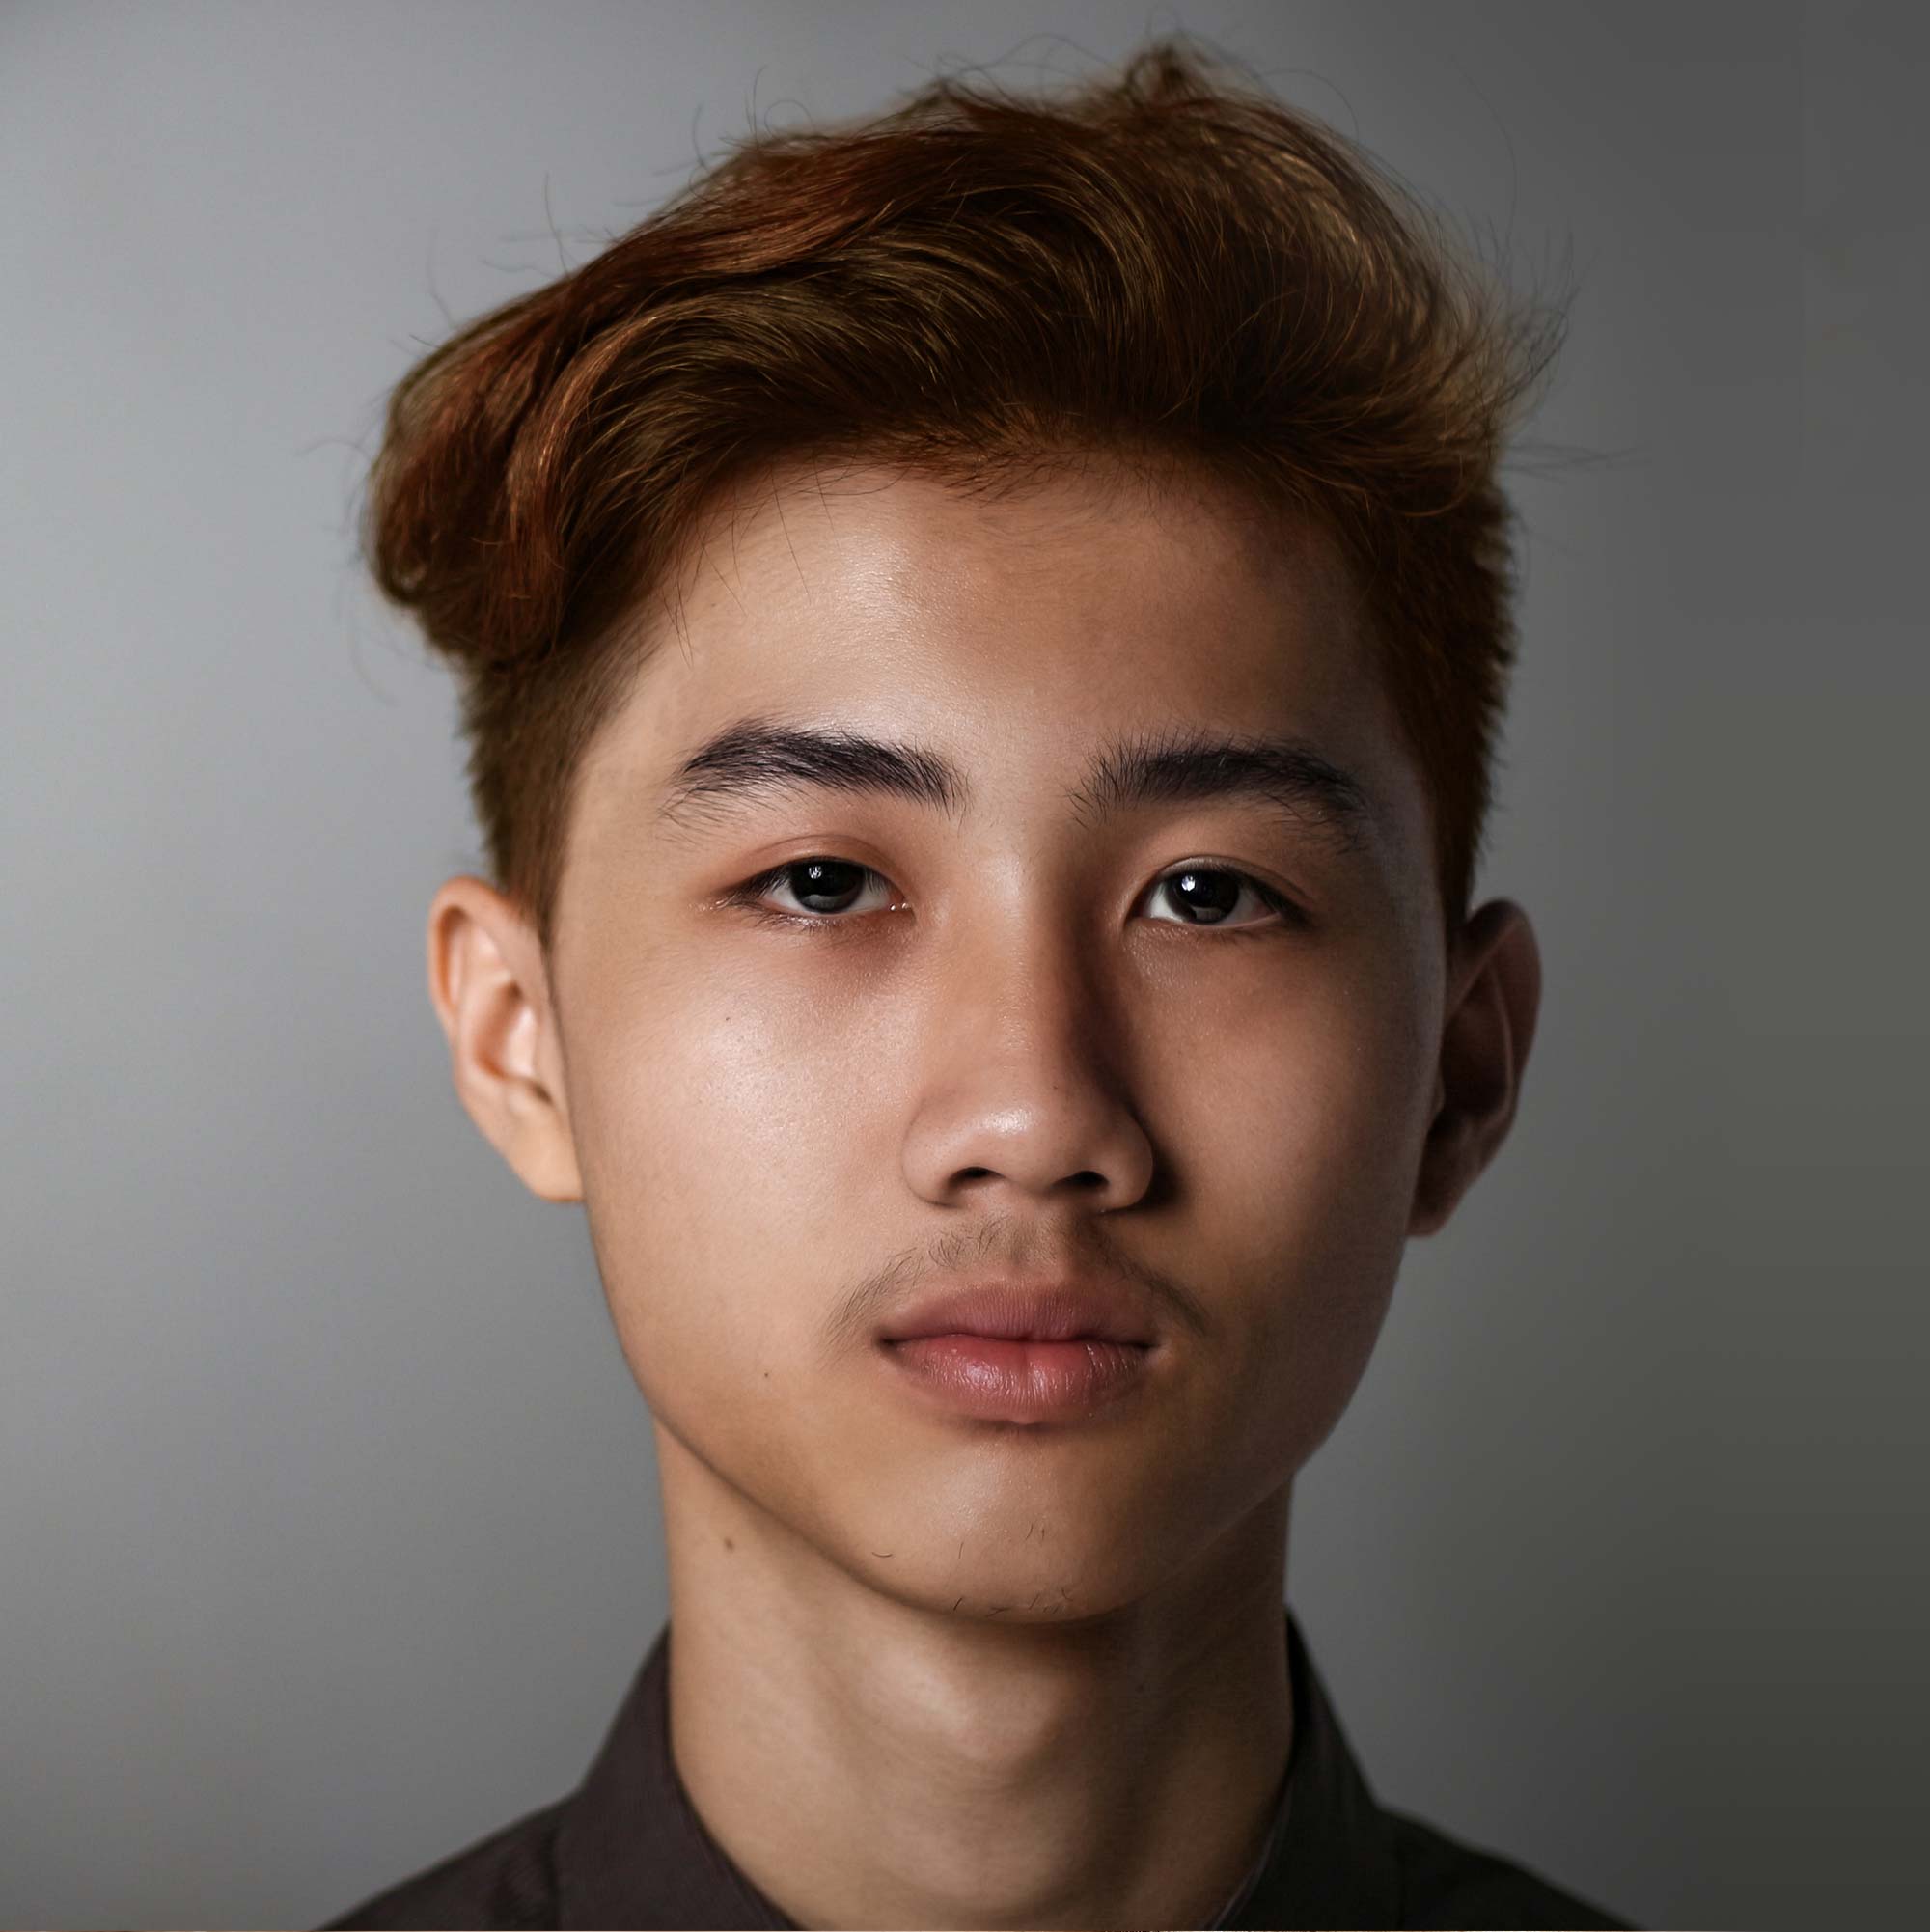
column 507, row 1879
column 1446, row 1883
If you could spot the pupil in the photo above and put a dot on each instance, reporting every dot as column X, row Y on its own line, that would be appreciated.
column 1218, row 902
column 814, row 870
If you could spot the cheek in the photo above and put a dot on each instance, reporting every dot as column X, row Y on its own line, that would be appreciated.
column 1299, row 1156
column 1298, row 1095
column 703, row 1122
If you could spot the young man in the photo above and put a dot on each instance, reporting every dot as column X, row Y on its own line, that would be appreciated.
column 981, row 636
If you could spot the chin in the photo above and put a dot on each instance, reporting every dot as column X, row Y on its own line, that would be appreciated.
column 1016, row 1549
column 1042, row 1591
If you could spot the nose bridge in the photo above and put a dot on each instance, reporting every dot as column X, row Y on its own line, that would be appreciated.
column 1023, row 1077
column 1025, row 983
column 1036, row 984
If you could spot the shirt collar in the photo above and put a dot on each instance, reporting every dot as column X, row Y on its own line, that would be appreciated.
column 631, row 1851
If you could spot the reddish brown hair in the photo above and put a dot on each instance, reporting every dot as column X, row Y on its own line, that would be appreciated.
column 1168, row 265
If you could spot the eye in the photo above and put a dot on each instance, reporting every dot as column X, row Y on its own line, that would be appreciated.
column 825, row 890
column 1215, row 891
column 809, row 880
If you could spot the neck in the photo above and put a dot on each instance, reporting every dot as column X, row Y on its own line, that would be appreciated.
column 868, row 1762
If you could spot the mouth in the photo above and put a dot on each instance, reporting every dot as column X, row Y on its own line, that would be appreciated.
column 1025, row 1379
column 1040, row 1315
column 1029, row 1351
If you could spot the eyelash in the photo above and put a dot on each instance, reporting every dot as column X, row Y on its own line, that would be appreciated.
column 749, row 894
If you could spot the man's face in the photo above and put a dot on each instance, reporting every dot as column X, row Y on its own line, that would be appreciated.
column 1016, row 1043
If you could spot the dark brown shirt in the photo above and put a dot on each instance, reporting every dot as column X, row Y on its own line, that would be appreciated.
column 626, row 1848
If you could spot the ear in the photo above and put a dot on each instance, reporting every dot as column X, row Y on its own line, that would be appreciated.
column 1494, row 994
column 491, row 993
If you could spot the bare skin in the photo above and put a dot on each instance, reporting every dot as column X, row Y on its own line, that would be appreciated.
column 929, row 1671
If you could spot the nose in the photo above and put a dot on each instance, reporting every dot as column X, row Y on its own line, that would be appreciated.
column 1023, row 1086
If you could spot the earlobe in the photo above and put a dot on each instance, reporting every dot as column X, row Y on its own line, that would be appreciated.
column 1494, row 997
column 488, row 984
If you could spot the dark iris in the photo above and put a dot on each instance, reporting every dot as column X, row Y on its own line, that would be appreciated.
column 815, row 871
column 1214, row 894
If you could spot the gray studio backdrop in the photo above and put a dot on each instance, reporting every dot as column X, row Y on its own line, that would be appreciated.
column 328, row 1529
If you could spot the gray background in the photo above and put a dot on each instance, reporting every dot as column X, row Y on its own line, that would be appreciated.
column 328, row 1527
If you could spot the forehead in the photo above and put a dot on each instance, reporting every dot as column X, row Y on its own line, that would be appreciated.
column 1020, row 632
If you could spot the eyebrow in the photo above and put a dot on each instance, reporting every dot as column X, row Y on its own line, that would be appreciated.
column 758, row 758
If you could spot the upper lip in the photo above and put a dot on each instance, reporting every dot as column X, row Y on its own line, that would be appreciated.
column 1009, row 1310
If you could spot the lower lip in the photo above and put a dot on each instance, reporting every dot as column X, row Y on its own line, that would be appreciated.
column 1020, row 1381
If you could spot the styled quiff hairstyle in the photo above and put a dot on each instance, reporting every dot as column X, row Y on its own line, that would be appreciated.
column 1169, row 266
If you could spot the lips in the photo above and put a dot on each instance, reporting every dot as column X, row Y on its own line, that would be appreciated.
column 984, row 1379
column 1005, row 1311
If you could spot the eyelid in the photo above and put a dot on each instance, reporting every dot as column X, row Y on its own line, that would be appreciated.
column 1288, row 912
